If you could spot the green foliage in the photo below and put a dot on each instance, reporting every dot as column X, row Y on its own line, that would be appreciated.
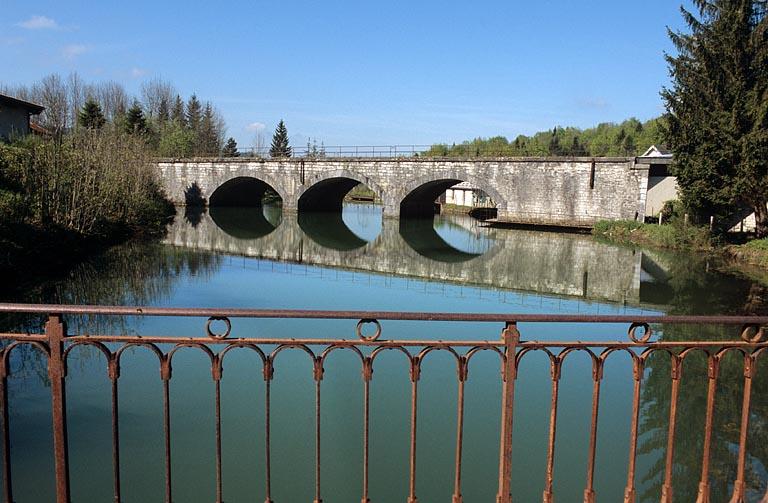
column 230, row 148
column 208, row 140
column 675, row 235
column 89, row 183
column 135, row 122
column 758, row 244
column 176, row 141
column 177, row 112
column 630, row 138
column 280, row 147
column 91, row 116
column 194, row 113
column 717, row 121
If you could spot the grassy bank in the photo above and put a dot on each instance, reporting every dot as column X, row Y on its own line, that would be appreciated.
column 64, row 198
column 673, row 236
column 681, row 237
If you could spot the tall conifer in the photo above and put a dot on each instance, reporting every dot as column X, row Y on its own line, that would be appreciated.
column 718, row 109
column 90, row 116
column 280, row 147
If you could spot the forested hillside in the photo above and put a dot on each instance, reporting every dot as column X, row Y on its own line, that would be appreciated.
column 629, row 138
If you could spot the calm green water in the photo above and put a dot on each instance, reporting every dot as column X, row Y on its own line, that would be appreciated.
column 262, row 259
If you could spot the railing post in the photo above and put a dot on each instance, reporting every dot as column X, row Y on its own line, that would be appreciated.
column 56, row 332
column 511, row 337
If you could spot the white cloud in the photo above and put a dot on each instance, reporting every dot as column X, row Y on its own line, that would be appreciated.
column 72, row 51
column 137, row 72
column 39, row 23
column 255, row 126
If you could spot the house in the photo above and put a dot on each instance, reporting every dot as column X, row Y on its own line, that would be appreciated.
column 465, row 194
column 15, row 115
column 662, row 185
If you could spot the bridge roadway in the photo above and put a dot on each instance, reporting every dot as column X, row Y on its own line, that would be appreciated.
column 540, row 191
column 532, row 261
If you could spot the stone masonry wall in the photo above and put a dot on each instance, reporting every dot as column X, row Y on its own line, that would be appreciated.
column 552, row 191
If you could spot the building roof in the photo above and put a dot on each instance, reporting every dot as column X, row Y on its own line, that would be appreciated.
column 10, row 100
column 655, row 151
column 38, row 129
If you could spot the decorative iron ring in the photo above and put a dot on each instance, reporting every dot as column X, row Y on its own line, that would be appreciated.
column 646, row 335
column 215, row 335
column 759, row 333
column 370, row 338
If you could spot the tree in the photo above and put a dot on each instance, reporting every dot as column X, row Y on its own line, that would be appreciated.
column 176, row 141
column 91, row 116
column 208, row 136
column 135, row 122
column 280, row 147
column 230, row 148
column 717, row 109
column 628, row 146
column 177, row 111
column 194, row 113
column 554, row 144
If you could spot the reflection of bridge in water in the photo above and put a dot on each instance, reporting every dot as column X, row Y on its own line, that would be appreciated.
column 531, row 261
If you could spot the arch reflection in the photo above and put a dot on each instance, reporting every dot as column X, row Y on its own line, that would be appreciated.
column 245, row 222
column 423, row 237
column 329, row 230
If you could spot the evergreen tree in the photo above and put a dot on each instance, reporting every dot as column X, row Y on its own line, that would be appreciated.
column 717, row 109
column 91, row 116
column 135, row 122
column 280, row 147
column 177, row 112
column 163, row 111
column 554, row 144
column 628, row 146
column 208, row 134
column 194, row 114
column 230, row 148
column 577, row 149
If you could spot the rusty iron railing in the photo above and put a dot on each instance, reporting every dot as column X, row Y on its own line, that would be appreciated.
column 56, row 344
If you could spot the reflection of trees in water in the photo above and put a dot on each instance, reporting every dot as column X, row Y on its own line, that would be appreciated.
column 134, row 274
column 691, row 410
column 710, row 293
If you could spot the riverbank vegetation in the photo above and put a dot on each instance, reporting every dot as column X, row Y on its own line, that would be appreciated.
column 64, row 197
column 87, row 182
column 629, row 138
column 677, row 235
column 673, row 236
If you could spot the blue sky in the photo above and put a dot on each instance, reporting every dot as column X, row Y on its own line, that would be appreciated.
column 362, row 73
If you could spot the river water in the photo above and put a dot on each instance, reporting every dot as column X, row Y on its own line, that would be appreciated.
column 253, row 258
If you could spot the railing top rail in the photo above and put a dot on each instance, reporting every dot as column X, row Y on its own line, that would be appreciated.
column 378, row 315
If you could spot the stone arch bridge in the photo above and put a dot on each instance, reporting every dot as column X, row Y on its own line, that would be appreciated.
column 540, row 191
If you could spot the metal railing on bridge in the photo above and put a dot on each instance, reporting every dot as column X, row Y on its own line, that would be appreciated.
column 342, row 151
column 56, row 344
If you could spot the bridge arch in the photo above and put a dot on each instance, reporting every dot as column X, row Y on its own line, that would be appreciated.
column 326, row 191
column 244, row 190
column 417, row 196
